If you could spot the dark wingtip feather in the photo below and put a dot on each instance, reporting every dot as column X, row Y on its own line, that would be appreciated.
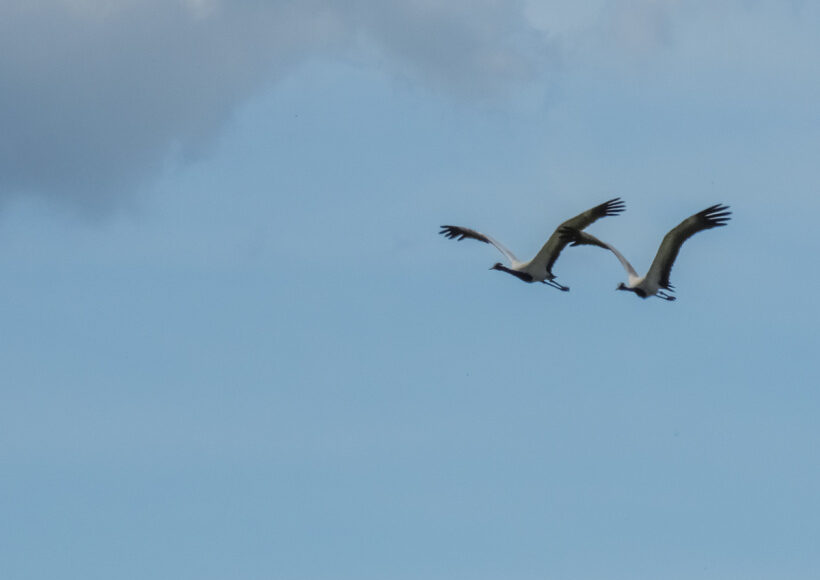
column 613, row 207
column 716, row 207
column 449, row 232
column 716, row 215
column 459, row 233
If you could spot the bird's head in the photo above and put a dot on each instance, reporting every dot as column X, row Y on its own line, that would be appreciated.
column 497, row 266
column 621, row 286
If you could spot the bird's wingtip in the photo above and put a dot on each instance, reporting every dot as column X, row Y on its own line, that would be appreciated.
column 614, row 206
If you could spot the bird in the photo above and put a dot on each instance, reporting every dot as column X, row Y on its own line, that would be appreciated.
column 656, row 282
column 539, row 269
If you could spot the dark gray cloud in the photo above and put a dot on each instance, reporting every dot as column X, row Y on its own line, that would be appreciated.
column 94, row 99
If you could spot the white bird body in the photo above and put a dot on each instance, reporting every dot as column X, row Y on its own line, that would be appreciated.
column 539, row 268
column 656, row 281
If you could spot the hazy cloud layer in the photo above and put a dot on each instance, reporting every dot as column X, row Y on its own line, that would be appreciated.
column 95, row 96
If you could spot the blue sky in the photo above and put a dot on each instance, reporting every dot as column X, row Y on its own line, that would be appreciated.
column 235, row 347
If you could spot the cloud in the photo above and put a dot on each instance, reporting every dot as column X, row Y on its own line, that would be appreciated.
column 462, row 45
column 641, row 27
column 96, row 95
column 761, row 35
column 608, row 29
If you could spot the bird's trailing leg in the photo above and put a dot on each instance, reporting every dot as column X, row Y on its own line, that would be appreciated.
column 665, row 296
column 556, row 285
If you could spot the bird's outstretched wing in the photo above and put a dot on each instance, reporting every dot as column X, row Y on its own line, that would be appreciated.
column 583, row 220
column 712, row 217
column 578, row 238
column 550, row 251
column 459, row 233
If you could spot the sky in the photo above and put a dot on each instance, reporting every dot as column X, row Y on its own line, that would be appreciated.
column 234, row 345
